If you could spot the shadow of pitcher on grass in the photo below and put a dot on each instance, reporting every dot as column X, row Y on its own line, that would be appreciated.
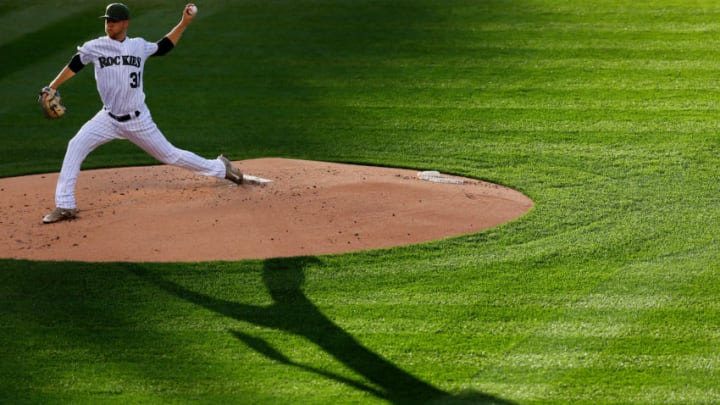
column 291, row 311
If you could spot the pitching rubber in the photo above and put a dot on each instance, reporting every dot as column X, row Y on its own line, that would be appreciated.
column 437, row 177
column 255, row 180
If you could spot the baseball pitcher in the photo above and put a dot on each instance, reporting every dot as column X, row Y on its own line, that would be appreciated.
column 119, row 63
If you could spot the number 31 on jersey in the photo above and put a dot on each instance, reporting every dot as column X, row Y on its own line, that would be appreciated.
column 135, row 79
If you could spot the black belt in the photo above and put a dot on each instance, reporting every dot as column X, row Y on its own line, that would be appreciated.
column 123, row 118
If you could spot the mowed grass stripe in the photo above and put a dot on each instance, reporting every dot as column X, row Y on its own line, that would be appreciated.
column 25, row 19
column 591, row 362
column 665, row 394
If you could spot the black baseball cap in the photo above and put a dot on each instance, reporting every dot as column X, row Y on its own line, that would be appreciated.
column 116, row 12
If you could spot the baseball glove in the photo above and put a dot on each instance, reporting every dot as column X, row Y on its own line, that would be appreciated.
column 51, row 103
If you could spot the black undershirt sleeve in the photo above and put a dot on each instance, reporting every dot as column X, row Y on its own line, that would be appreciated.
column 165, row 45
column 75, row 64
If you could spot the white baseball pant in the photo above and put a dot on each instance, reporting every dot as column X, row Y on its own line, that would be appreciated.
column 141, row 131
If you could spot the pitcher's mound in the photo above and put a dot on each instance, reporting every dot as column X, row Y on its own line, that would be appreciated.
column 166, row 214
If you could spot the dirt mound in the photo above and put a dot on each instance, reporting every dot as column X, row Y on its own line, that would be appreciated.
column 166, row 214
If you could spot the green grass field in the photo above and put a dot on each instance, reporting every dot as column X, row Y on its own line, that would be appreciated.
column 605, row 113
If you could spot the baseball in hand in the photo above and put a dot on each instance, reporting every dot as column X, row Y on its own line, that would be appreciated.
column 192, row 10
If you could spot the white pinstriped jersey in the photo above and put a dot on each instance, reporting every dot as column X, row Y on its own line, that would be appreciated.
column 119, row 71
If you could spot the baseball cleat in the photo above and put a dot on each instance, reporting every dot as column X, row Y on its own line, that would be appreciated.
column 60, row 214
column 232, row 173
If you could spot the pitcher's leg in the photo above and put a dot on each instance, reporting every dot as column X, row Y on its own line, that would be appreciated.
column 156, row 145
column 94, row 133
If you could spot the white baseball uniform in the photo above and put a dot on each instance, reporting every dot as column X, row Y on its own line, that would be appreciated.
column 119, row 70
